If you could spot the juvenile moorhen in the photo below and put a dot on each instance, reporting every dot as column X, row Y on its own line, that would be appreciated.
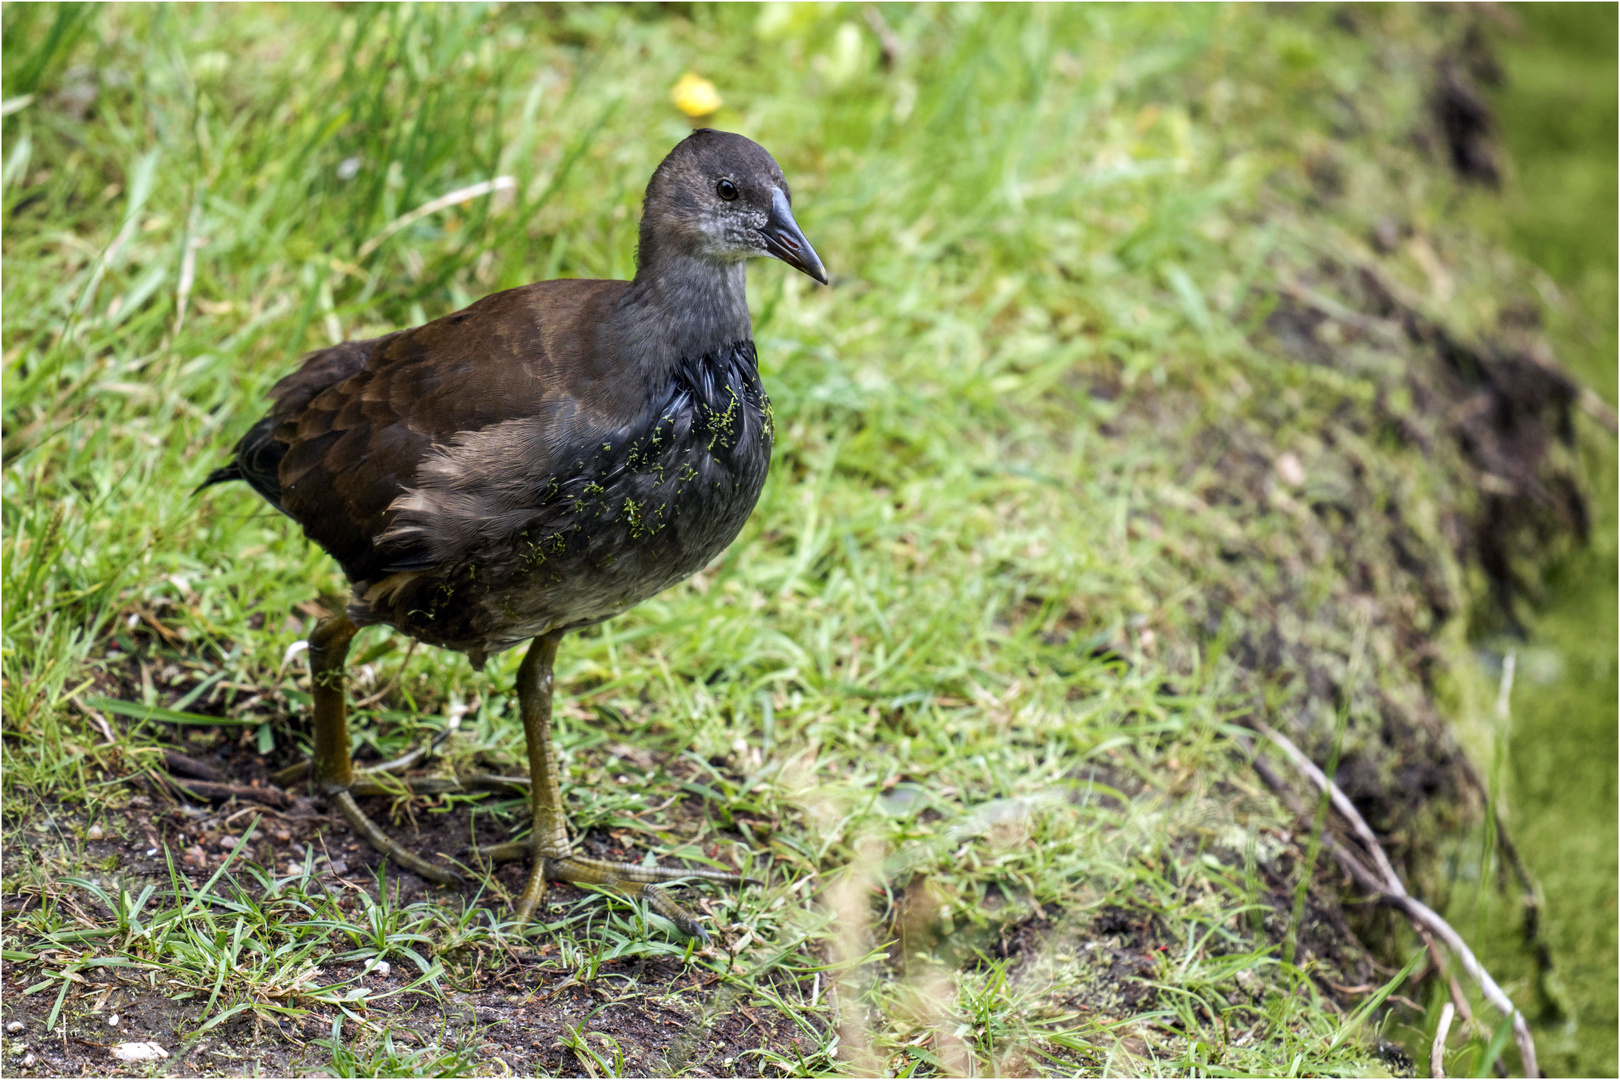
column 540, row 461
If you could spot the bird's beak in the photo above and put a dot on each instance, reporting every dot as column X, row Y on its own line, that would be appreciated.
column 785, row 241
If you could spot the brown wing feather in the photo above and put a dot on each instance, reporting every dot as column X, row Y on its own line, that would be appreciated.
column 359, row 419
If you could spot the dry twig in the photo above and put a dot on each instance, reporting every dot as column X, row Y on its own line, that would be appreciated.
column 1387, row 884
column 186, row 765
column 368, row 702
column 1437, row 1052
column 214, row 792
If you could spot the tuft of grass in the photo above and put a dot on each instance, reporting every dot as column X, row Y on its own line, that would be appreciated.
column 386, row 1058
column 1097, row 447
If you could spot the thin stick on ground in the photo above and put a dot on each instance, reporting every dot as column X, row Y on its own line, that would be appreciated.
column 1459, row 1000
column 399, row 673
column 1369, row 881
column 1388, row 884
column 1437, row 1052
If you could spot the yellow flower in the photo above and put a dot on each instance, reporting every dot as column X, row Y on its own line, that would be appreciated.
column 694, row 95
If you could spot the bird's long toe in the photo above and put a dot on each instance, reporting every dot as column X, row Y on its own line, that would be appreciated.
column 646, row 881
column 509, row 851
column 292, row 774
column 387, row 845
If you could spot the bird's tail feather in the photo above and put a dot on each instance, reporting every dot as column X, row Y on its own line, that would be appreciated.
column 257, row 459
column 220, row 476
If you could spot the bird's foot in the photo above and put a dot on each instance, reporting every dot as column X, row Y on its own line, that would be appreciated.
column 630, row 878
column 382, row 779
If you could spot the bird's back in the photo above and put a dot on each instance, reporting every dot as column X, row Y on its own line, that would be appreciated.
column 348, row 431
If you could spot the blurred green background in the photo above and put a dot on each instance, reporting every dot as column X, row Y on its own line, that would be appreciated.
column 1558, row 120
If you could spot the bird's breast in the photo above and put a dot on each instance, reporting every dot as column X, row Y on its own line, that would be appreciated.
column 617, row 520
column 654, row 502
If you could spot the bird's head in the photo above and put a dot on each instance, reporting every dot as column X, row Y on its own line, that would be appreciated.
column 722, row 197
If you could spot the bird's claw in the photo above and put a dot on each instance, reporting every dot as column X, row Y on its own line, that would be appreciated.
column 629, row 878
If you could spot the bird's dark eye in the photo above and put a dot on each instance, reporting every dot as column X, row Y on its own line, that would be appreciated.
column 726, row 189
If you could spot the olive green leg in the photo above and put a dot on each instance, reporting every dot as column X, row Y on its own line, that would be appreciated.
column 333, row 769
column 548, row 843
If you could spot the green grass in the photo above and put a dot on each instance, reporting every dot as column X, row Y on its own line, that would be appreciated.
column 966, row 691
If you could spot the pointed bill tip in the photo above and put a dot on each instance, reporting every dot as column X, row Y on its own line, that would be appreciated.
column 786, row 241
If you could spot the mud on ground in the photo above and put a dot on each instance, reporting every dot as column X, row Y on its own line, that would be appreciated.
column 503, row 1008
column 530, row 1006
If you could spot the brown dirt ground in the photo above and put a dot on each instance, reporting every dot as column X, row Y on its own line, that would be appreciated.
column 506, row 1011
column 514, row 1008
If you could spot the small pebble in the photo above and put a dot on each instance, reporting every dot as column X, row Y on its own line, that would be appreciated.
column 112, row 1021
column 339, row 867
column 138, row 1051
column 1386, row 234
column 293, row 869
column 95, row 832
column 28, row 1059
column 298, row 849
column 228, row 841
column 1290, row 468
column 382, row 967
column 151, row 851
column 15, row 1026
column 195, row 856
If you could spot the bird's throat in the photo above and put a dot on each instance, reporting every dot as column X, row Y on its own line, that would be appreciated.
column 683, row 307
